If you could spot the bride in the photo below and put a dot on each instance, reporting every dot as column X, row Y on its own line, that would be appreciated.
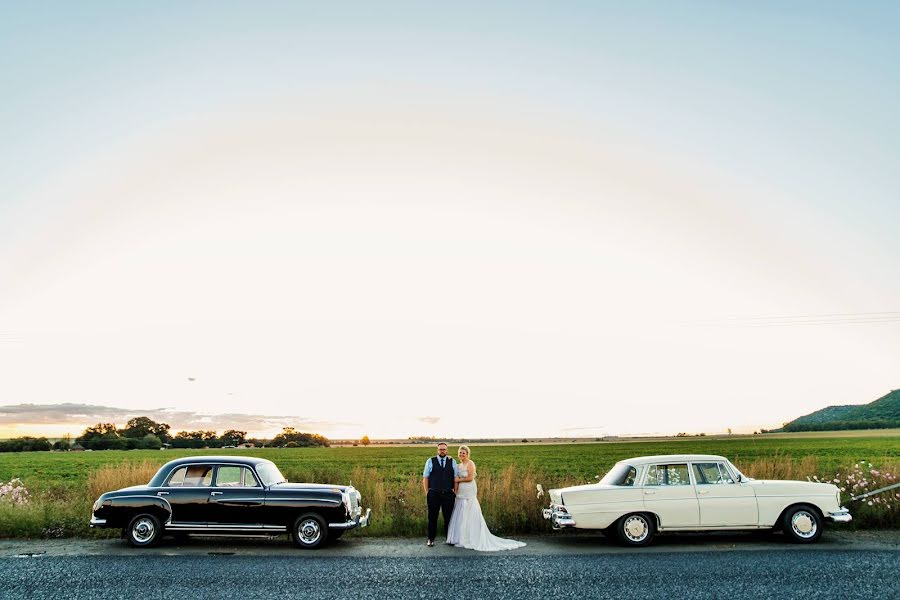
column 467, row 527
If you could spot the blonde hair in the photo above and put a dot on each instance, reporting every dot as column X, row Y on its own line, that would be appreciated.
column 466, row 448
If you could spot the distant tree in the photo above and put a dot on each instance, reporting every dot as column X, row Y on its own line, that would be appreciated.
column 289, row 434
column 150, row 442
column 102, row 436
column 233, row 437
column 140, row 427
column 364, row 440
column 99, row 430
column 196, row 439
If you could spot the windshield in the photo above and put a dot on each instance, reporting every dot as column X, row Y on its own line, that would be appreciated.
column 269, row 474
column 622, row 474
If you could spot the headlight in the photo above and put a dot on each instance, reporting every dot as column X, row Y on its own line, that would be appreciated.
column 97, row 505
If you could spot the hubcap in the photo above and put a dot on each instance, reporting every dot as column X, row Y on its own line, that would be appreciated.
column 803, row 524
column 636, row 528
column 143, row 531
column 309, row 531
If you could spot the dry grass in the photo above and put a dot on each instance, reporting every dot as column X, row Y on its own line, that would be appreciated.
column 115, row 477
column 779, row 467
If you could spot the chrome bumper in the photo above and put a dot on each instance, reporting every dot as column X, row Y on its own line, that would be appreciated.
column 358, row 521
column 840, row 516
column 558, row 517
column 95, row 522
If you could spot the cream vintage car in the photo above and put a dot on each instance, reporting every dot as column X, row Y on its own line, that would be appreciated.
column 642, row 496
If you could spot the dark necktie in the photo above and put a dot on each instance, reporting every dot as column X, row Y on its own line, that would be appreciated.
column 442, row 463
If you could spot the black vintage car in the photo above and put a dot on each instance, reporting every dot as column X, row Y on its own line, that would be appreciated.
column 230, row 495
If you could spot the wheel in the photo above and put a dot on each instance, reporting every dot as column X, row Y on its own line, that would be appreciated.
column 309, row 531
column 802, row 524
column 635, row 529
column 144, row 530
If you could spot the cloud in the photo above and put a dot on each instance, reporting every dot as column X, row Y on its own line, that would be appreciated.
column 429, row 420
column 89, row 414
column 598, row 428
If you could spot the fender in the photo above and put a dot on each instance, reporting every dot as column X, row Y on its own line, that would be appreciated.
column 120, row 509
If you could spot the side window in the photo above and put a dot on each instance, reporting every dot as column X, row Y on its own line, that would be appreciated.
column 711, row 474
column 177, row 478
column 676, row 474
column 228, row 477
column 198, row 476
column 724, row 475
column 249, row 478
column 235, row 476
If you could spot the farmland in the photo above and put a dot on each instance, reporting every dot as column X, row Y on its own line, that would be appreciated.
column 62, row 486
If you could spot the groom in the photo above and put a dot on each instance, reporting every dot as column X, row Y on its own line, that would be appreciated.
column 438, row 481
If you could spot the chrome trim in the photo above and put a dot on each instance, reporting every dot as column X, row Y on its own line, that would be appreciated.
column 327, row 501
column 214, row 528
column 357, row 521
column 840, row 516
column 558, row 516
column 95, row 522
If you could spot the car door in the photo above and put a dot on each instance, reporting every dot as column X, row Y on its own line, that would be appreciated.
column 668, row 493
column 236, row 498
column 723, row 501
column 187, row 491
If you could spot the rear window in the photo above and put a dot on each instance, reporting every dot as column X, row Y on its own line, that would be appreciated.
column 622, row 474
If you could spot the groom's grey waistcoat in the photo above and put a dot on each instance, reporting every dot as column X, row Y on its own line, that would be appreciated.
column 441, row 478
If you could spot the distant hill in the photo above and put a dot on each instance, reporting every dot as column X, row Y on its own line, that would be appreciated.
column 881, row 414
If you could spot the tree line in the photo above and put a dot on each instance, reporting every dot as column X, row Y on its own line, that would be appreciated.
column 145, row 433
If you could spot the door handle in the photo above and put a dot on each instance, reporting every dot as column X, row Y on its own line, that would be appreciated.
column 703, row 492
column 215, row 493
column 162, row 493
column 649, row 492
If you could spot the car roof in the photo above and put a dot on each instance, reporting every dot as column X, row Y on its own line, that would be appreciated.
column 229, row 460
column 672, row 458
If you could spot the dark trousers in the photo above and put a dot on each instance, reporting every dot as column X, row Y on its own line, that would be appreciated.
column 439, row 501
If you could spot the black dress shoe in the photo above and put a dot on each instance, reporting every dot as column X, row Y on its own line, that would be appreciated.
column 430, row 543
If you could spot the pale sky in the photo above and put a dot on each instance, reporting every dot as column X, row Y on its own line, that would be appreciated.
column 413, row 219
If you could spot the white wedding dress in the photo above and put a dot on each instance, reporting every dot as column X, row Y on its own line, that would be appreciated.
column 467, row 527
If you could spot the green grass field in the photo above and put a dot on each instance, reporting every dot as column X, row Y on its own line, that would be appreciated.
column 63, row 485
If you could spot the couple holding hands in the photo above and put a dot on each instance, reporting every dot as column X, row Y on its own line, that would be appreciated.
column 450, row 488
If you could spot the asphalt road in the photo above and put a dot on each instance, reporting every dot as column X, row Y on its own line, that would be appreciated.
column 579, row 567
